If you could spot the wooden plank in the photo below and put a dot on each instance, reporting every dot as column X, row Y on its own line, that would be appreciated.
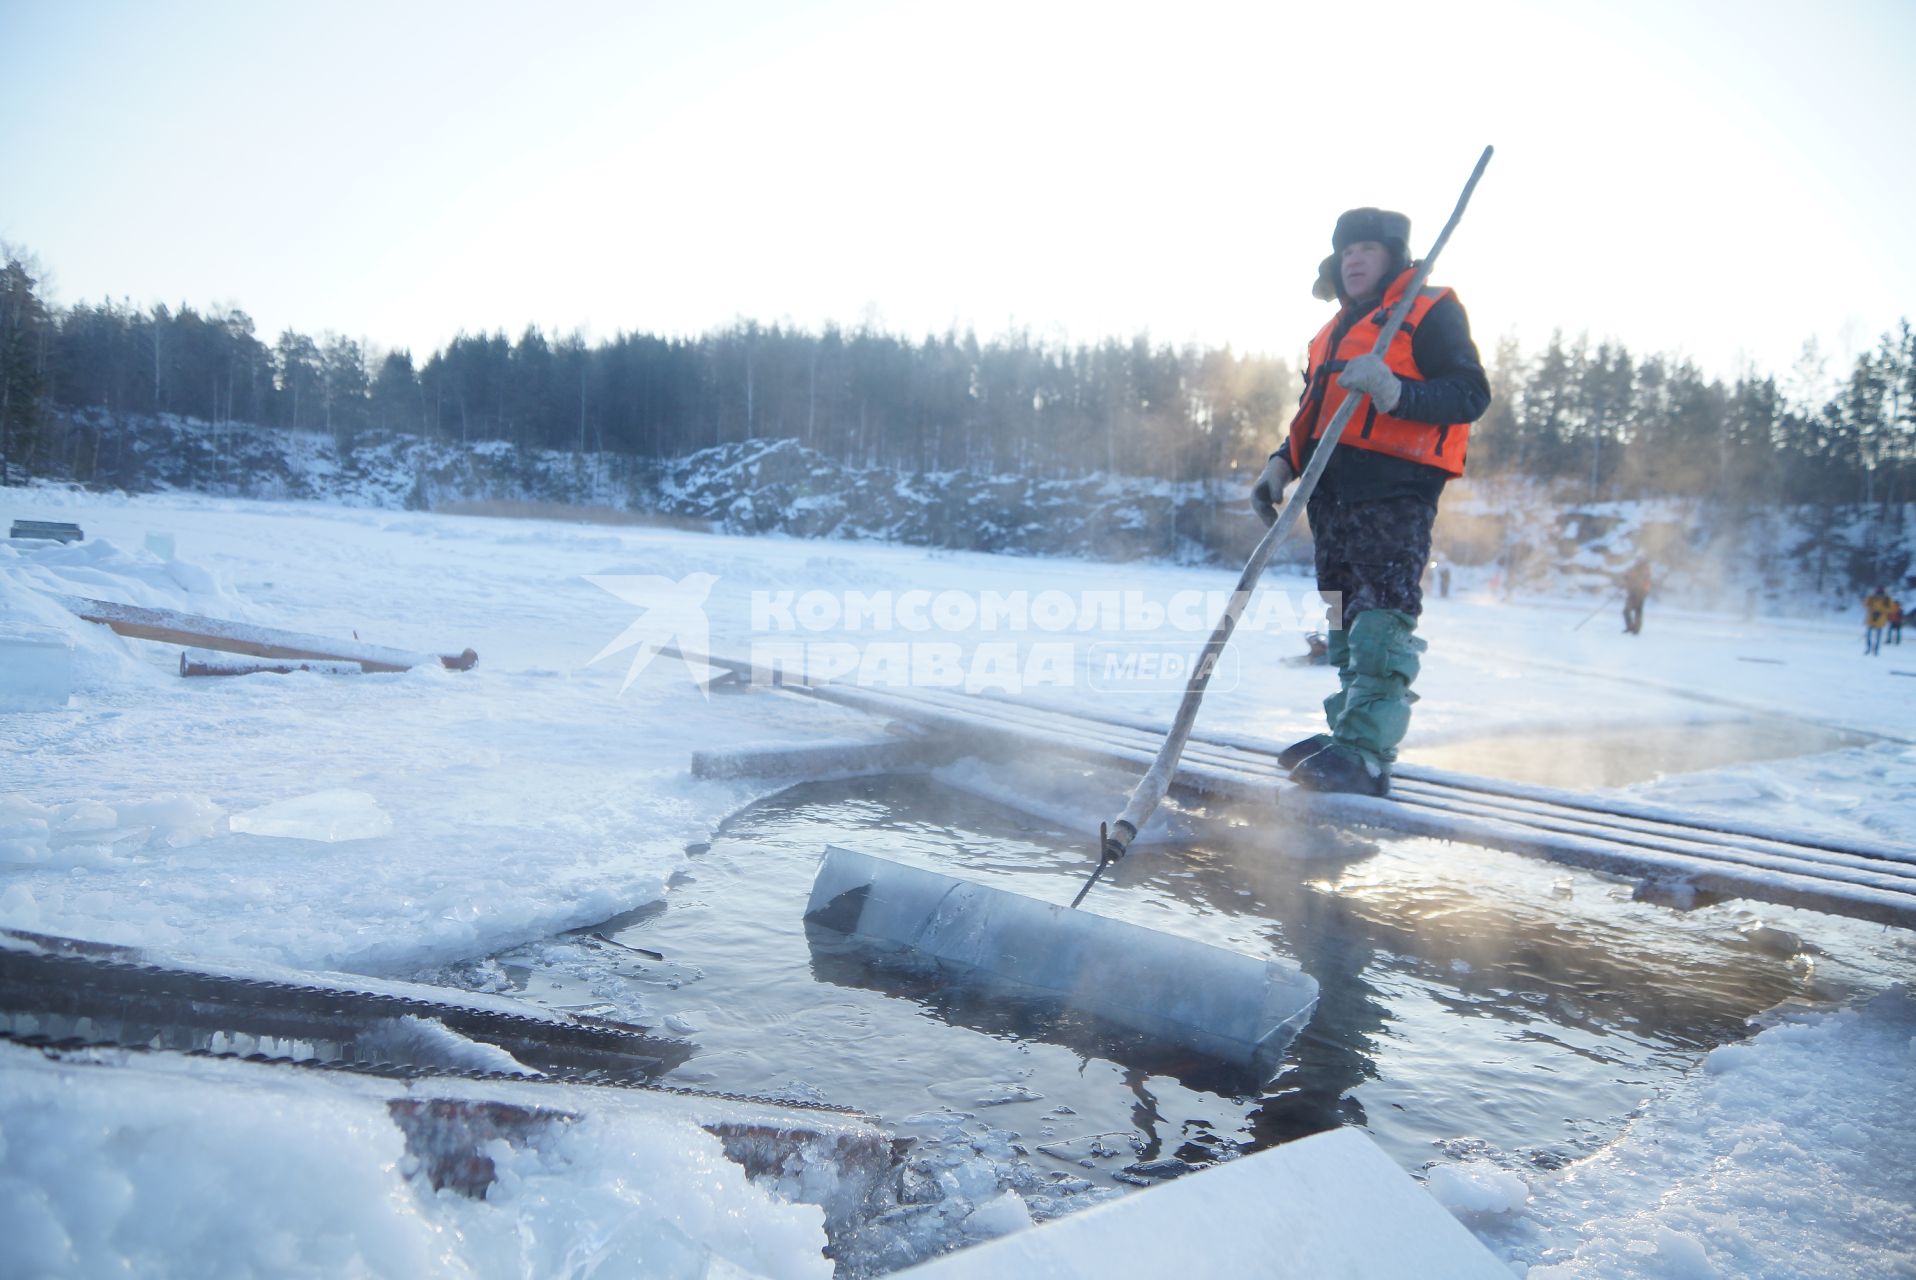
column 170, row 626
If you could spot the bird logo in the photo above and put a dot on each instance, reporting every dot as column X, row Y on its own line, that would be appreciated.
column 674, row 616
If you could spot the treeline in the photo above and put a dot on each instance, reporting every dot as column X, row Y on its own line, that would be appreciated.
column 1617, row 424
column 946, row 403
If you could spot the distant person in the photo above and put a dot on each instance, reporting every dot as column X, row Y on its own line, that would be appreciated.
column 1443, row 580
column 1876, row 610
column 1513, row 561
column 1636, row 588
column 1895, row 621
column 1372, row 511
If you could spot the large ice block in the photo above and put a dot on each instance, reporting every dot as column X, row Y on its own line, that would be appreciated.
column 1224, row 1004
column 36, row 669
column 1328, row 1207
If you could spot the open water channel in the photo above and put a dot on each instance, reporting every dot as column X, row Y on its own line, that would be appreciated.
column 1473, row 1003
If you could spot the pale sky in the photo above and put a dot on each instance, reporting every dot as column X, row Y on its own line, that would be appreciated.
column 1719, row 180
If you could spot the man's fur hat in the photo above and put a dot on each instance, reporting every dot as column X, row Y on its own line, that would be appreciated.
column 1390, row 229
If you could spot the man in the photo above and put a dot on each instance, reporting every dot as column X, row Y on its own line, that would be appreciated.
column 1876, row 608
column 1636, row 587
column 1372, row 510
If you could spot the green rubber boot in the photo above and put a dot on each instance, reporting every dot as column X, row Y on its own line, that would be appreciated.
column 1375, row 710
column 1338, row 654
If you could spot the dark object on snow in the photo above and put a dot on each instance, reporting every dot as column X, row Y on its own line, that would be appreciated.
column 1636, row 586
column 1317, row 652
column 47, row 531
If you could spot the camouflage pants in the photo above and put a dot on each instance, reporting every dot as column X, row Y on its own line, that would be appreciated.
column 1370, row 568
column 1371, row 555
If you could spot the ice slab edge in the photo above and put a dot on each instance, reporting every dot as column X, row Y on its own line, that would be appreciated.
column 1327, row 1206
column 1227, row 1005
column 36, row 670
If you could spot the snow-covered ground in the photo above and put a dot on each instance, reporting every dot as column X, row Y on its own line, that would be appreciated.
column 387, row 824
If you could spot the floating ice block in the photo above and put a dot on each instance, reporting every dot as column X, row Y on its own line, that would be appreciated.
column 1224, row 1004
column 36, row 670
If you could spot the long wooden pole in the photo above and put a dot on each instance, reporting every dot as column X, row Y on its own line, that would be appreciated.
column 1117, row 837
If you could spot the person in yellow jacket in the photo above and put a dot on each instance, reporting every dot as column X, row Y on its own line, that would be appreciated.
column 1876, row 610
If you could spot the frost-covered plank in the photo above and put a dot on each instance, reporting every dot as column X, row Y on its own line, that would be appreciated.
column 1626, row 807
column 170, row 626
column 1882, row 874
column 1804, row 886
column 1700, row 828
column 1724, row 857
column 205, row 662
column 1226, row 750
column 1328, row 1207
column 1733, row 868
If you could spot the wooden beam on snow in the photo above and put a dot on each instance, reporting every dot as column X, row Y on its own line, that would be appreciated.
column 169, row 626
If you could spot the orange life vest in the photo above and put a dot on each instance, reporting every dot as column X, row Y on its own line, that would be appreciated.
column 1442, row 447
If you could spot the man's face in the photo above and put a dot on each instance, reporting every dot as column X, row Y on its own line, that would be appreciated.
column 1362, row 265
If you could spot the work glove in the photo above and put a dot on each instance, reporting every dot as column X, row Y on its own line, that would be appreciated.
column 1370, row 375
column 1270, row 486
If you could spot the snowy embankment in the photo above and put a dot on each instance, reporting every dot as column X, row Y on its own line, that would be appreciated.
column 171, row 1167
column 386, row 824
column 1786, row 1155
column 378, row 823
